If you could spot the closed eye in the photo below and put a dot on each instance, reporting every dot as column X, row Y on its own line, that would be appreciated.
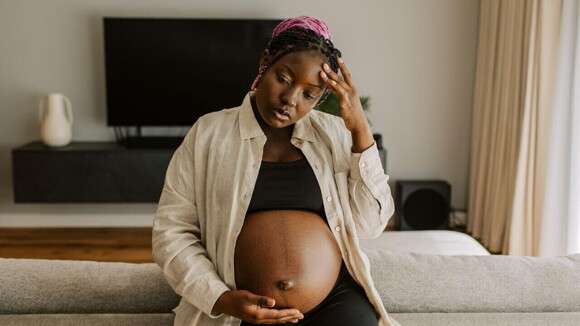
column 283, row 80
column 309, row 96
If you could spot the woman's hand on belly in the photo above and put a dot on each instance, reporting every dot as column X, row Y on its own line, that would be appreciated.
column 255, row 309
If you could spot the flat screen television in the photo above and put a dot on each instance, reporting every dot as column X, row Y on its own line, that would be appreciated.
column 170, row 72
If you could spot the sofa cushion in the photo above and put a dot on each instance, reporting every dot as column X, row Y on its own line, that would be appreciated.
column 88, row 319
column 410, row 282
column 487, row 319
column 36, row 286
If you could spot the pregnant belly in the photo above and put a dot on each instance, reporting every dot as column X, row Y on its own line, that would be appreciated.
column 290, row 256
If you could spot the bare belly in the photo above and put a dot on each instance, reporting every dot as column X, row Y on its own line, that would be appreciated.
column 290, row 256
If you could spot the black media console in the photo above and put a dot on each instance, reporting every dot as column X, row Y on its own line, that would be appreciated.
column 88, row 172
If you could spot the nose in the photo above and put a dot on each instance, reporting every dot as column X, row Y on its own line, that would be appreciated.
column 289, row 97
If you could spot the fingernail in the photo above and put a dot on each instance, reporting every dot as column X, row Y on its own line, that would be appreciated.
column 326, row 67
column 340, row 60
column 323, row 74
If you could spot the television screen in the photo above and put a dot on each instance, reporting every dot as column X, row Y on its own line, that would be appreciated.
column 170, row 72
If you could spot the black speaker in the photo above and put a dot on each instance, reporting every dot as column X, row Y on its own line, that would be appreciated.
column 422, row 205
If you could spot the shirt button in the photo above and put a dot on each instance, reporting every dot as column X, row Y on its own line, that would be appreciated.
column 363, row 164
column 346, row 253
column 316, row 166
column 364, row 172
column 337, row 228
column 328, row 198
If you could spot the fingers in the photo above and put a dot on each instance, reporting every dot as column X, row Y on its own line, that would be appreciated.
column 260, row 300
column 343, row 94
column 332, row 79
column 345, row 72
column 351, row 109
column 266, row 302
column 262, row 311
column 276, row 316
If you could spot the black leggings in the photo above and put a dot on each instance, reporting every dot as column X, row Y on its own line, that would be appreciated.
column 346, row 305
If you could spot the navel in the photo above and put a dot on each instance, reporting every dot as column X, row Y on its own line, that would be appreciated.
column 285, row 285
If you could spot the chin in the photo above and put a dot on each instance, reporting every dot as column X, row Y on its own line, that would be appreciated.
column 274, row 122
column 280, row 125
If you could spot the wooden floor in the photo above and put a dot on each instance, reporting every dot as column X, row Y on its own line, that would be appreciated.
column 131, row 245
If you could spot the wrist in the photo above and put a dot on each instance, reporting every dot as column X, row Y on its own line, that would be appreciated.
column 362, row 140
column 362, row 131
column 221, row 304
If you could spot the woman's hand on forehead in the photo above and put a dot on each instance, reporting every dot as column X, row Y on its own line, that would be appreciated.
column 351, row 109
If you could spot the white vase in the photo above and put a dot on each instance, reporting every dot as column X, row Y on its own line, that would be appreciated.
column 55, row 117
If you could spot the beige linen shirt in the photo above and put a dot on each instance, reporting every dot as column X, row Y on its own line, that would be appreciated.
column 208, row 187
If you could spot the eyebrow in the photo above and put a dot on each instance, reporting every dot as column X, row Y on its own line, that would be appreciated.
column 294, row 76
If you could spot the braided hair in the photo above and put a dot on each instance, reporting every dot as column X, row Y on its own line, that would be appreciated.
column 296, row 39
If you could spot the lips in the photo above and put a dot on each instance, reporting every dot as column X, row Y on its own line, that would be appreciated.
column 281, row 114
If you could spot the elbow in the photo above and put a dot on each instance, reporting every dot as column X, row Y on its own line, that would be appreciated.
column 370, row 230
column 388, row 210
column 158, row 252
column 372, row 233
column 382, row 216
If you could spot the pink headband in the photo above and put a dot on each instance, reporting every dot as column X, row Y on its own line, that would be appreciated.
column 311, row 23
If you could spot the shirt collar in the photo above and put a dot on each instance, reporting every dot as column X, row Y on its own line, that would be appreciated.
column 249, row 127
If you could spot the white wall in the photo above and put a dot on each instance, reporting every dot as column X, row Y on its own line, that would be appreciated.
column 414, row 58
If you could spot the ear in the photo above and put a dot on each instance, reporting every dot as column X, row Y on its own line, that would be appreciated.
column 265, row 59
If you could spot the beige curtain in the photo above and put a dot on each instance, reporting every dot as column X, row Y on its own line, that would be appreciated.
column 511, row 109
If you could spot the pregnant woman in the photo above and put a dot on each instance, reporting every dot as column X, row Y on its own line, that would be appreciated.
column 263, row 203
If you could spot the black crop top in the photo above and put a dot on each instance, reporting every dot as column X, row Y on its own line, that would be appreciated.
column 286, row 185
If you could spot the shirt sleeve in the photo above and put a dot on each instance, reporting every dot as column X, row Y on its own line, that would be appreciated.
column 177, row 242
column 370, row 197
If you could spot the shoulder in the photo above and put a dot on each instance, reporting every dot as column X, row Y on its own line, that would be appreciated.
column 216, row 121
column 212, row 124
column 218, row 117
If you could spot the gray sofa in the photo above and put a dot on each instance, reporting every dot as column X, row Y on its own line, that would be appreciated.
column 416, row 288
